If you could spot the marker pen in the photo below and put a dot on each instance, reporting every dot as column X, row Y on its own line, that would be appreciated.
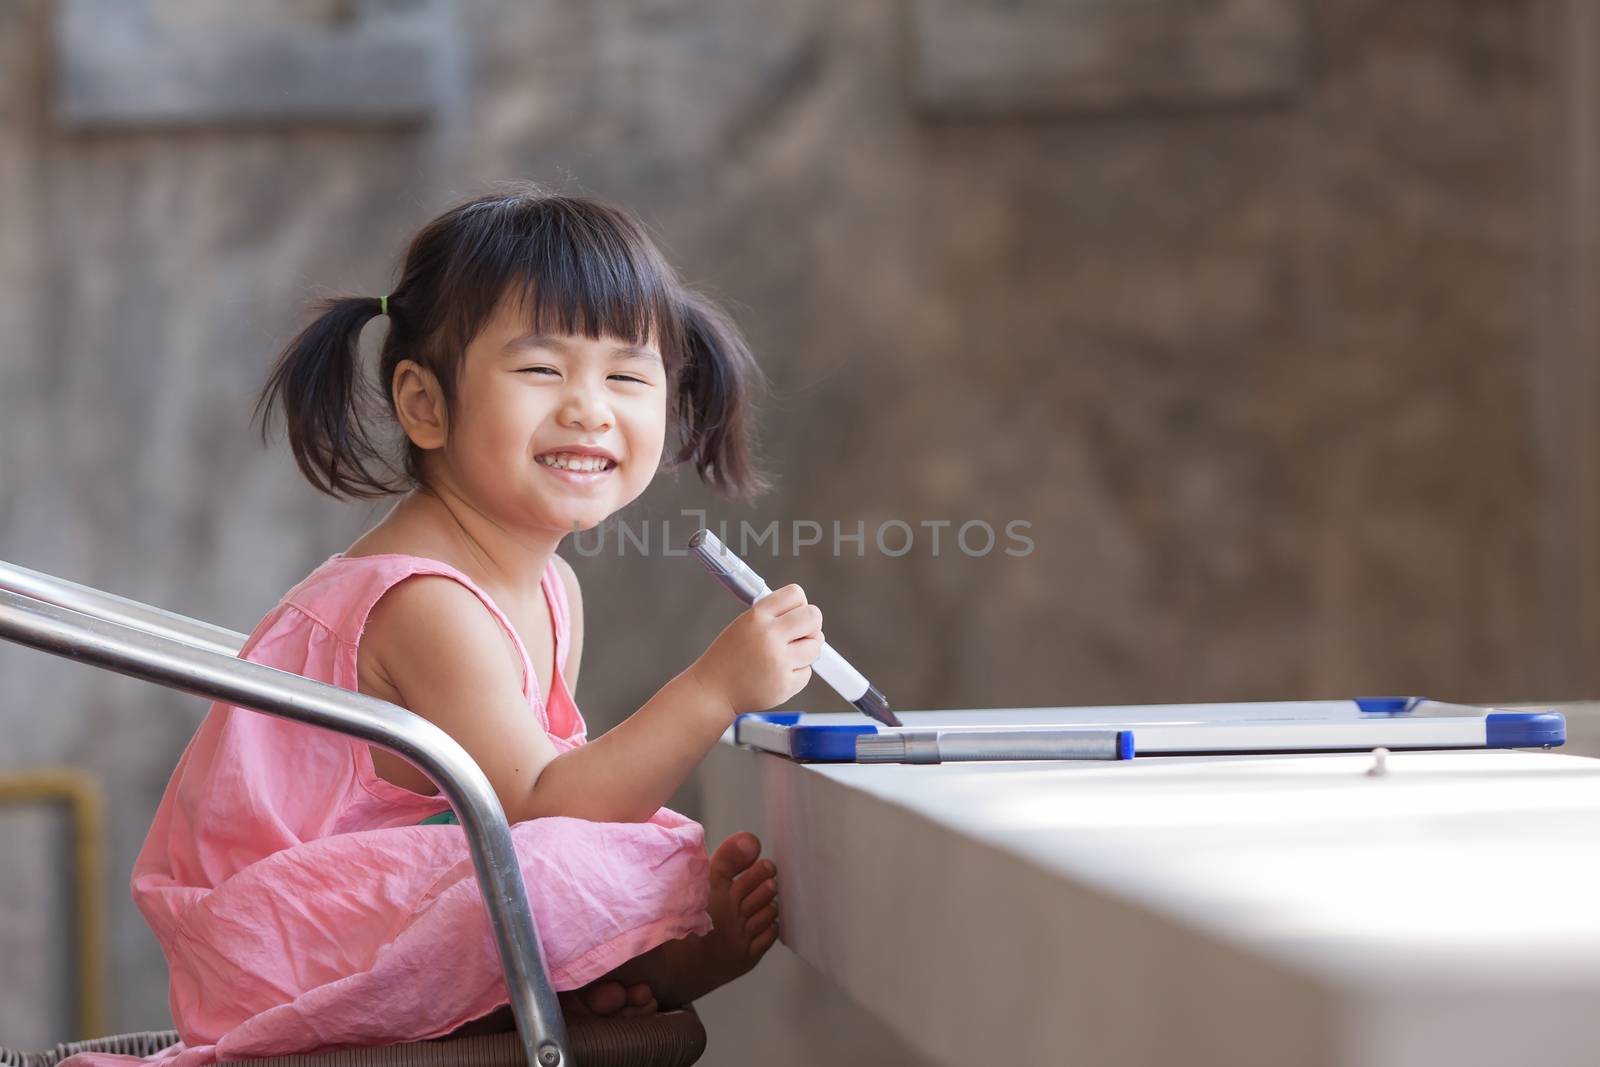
column 951, row 746
column 734, row 575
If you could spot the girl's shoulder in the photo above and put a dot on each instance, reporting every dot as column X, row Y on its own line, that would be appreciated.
column 340, row 593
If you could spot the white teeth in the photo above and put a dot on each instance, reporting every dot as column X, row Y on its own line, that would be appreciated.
column 572, row 461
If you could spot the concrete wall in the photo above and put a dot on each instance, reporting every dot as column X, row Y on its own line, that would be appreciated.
column 1288, row 374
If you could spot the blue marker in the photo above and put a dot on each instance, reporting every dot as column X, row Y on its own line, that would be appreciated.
column 734, row 575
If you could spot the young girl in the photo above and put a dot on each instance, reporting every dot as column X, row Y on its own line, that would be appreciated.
column 539, row 355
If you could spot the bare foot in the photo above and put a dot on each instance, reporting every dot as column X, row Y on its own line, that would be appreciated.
column 744, row 909
column 602, row 998
column 606, row 998
column 743, row 903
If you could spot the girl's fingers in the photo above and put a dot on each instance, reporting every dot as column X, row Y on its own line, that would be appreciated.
column 806, row 650
column 779, row 602
column 805, row 619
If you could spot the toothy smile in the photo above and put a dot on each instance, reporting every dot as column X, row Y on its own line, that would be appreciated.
column 575, row 461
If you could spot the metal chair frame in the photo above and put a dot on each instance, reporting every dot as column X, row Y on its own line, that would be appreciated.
column 171, row 650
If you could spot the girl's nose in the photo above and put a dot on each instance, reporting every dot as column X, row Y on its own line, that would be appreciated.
column 586, row 409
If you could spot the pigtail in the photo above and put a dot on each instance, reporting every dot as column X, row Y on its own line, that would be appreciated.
column 714, row 398
column 317, row 384
column 571, row 265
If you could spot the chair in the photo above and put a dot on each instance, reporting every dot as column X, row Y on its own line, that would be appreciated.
column 125, row 636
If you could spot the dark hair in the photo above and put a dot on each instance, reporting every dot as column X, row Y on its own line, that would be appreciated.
column 577, row 266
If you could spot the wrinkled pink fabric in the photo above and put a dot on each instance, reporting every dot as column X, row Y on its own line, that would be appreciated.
column 299, row 905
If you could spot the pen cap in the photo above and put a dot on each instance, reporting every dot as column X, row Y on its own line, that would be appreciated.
column 906, row 746
column 726, row 567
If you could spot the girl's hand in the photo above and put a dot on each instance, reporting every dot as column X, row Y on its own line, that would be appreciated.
column 764, row 656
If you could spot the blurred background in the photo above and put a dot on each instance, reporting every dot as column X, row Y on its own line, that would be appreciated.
column 1273, row 319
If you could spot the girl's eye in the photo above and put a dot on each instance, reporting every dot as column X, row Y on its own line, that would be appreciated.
column 628, row 378
column 537, row 370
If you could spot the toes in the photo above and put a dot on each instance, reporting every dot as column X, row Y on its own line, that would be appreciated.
column 603, row 998
column 734, row 855
column 759, row 897
column 641, row 1001
column 761, row 919
column 753, row 878
column 763, row 941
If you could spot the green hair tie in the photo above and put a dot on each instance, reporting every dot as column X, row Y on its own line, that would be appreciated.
column 383, row 305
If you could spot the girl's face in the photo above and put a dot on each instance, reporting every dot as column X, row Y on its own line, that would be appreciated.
column 555, row 431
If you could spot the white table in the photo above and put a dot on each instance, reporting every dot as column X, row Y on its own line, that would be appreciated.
column 1232, row 910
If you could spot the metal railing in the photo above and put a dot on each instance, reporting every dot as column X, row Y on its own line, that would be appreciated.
column 119, row 609
column 125, row 636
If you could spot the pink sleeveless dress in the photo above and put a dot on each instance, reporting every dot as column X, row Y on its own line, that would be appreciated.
column 300, row 905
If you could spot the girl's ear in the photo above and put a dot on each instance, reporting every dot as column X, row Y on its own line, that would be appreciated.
column 419, row 405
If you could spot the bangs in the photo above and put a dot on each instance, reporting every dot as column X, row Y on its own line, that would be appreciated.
column 569, row 266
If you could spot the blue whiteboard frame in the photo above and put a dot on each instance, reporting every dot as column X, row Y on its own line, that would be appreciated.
column 836, row 742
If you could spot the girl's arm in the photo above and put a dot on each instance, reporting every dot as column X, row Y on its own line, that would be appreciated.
column 435, row 643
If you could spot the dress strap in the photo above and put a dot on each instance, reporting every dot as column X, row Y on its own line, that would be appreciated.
column 555, row 592
column 564, row 721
